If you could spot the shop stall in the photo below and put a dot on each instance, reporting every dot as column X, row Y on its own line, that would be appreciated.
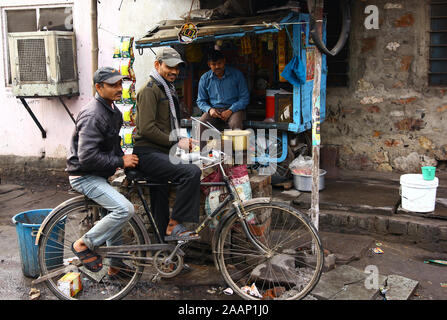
column 276, row 54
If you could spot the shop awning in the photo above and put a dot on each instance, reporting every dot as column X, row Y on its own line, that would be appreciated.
column 165, row 33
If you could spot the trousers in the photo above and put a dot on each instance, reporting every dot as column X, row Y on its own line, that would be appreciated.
column 119, row 210
column 156, row 165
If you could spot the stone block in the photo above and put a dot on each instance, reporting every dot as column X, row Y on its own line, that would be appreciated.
column 397, row 227
column 443, row 233
column 412, row 229
column 345, row 283
column 381, row 225
column 400, row 288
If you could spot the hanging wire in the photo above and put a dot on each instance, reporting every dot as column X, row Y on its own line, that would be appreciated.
column 189, row 14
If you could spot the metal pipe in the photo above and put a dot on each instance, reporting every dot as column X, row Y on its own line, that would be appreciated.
column 94, row 36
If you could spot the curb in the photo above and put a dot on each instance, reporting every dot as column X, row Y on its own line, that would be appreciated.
column 428, row 234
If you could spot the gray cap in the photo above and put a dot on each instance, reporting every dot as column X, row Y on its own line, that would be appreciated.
column 107, row 75
column 169, row 56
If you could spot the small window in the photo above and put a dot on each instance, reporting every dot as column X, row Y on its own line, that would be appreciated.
column 21, row 20
column 437, row 74
column 56, row 19
column 34, row 19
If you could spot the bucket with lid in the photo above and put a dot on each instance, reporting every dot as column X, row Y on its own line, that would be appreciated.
column 418, row 194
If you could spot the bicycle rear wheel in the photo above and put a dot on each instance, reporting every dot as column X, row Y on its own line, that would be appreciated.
column 290, row 262
column 57, row 260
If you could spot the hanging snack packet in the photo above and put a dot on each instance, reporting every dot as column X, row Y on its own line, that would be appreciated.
column 125, row 67
column 126, row 48
column 127, row 136
column 117, row 48
column 128, row 111
column 128, row 92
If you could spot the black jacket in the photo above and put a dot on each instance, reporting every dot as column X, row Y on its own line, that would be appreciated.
column 95, row 145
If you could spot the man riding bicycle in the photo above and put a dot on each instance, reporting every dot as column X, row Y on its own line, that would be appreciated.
column 157, row 117
column 95, row 154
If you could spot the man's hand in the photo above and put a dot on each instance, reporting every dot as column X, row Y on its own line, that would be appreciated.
column 215, row 113
column 187, row 144
column 130, row 160
column 225, row 115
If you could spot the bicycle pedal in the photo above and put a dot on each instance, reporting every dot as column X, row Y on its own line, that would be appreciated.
column 156, row 278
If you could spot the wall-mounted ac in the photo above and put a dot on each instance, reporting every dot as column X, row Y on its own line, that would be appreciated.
column 43, row 63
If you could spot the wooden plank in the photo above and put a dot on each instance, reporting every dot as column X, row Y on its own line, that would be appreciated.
column 315, row 209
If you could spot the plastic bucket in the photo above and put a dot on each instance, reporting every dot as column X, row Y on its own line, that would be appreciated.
column 418, row 195
column 303, row 182
column 428, row 173
column 27, row 225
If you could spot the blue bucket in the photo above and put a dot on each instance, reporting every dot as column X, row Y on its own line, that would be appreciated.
column 27, row 225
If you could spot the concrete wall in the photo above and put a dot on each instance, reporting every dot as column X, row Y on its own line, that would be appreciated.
column 21, row 143
column 388, row 119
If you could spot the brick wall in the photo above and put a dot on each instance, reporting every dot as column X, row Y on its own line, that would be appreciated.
column 388, row 118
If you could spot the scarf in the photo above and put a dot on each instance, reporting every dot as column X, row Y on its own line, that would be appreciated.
column 170, row 92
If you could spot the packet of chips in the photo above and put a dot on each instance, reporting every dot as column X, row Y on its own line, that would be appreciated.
column 127, row 134
column 128, row 92
column 126, row 48
column 128, row 111
column 123, row 47
column 124, row 66
column 117, row 48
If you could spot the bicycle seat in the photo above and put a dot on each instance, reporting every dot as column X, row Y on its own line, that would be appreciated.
column 137, row 175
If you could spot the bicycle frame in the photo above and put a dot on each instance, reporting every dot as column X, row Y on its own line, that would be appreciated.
column 232, row 196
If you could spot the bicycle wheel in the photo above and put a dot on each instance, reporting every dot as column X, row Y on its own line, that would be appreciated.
column 57, row 260
column 284, row 259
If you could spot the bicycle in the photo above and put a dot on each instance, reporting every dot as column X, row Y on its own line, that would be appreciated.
column 261, row 248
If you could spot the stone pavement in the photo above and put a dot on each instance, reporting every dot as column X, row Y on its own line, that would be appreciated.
column 358, row 212
column 369, row 203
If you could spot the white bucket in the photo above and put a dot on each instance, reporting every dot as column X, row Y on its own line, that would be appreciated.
column 418, row 195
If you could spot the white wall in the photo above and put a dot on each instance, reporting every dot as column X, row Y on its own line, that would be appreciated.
column 19, row 135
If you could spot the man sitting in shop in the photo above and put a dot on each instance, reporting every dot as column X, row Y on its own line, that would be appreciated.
column 222, row 95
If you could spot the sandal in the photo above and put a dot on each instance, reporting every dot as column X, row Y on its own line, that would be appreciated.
column 93, row 266
column 181, row 233
column 125, row 271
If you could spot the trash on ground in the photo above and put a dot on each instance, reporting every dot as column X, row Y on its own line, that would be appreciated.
column 70, row 284
column 435, row 261
column 383, row 291
column 252, row 290
column 377, row 250
column 379, row 244
column 69, row 261
column 34, row 294
column 443, row 285
column 228, row 291
column 276, row 292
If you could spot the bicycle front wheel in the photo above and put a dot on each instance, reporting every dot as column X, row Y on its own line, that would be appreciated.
column 275, row 253
column 59, row 264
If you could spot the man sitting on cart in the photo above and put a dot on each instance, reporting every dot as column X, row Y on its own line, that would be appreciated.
column 222, row 95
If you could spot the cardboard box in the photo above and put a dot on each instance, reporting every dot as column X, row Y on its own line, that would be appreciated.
column 70, row 284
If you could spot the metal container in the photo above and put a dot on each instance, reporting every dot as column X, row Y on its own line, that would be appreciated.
column 303, row 182
column 239, row 138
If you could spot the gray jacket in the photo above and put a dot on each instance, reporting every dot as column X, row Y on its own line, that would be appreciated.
column 95, row 144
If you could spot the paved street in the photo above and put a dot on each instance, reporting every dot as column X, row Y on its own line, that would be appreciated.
column 350, row 253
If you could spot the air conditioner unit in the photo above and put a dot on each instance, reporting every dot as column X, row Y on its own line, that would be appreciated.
column 43, row 63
